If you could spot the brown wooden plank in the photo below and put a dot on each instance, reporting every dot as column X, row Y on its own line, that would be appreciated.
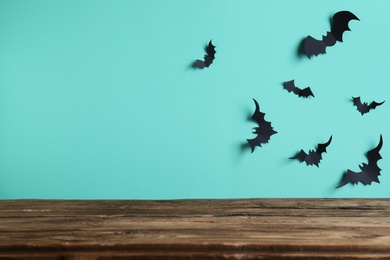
column 196, row 229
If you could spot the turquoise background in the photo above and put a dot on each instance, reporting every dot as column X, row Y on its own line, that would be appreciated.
column 98, row 100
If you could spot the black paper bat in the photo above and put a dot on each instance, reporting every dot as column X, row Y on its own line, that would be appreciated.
column 208, row 58
column 339, row 26
column 365, row 107
column 369, row 172
column 263, row 131
column 314, row 157
column 290, row 86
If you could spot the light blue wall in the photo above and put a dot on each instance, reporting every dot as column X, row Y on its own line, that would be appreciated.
column 97, row 99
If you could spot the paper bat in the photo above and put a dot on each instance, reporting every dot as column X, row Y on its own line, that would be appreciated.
column 339, row 26
column 369, row 172
column 208, row 58
column 364, row 107
column 313, row 157
column 290, row 86
column 263, row 131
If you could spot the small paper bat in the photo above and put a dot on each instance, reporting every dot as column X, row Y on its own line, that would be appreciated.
column 339, row 26
column 290, row 86
column 369, row 172
column 314, row 157
column 263, row 131
column 364, row 107
column 208, row 58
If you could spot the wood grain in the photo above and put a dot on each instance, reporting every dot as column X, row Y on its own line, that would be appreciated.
column 196, row 229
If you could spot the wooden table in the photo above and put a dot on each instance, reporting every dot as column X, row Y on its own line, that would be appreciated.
column 196, row 229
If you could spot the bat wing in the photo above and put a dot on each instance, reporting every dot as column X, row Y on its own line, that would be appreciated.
column 353, row 177
column 314, row 47
column 258, row 116
column 210, row 49
column 321, row 148
column 198, row 64
column 340, row 23
column 210, row 52
column 290, row 86
column 263, row 131
column 372, row 169
column 374, row 104
column 301, row 156
column 369, row 172
column 306, row 92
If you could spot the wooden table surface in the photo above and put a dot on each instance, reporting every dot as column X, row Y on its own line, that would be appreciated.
column 196, row 229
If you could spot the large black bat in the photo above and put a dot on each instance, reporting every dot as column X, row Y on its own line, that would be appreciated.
column 369, row 172
column 263, row 131
column 208, row 58
column 339, row 26
column 365, row 107
column 313, row 157
column 290, row 86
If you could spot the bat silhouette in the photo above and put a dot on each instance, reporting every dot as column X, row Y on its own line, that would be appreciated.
column 369, row 172
column 364, row 107
column 339, row 26
column 208, row 58
column 290, row 86
column 313, row 157
column 263, row 131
